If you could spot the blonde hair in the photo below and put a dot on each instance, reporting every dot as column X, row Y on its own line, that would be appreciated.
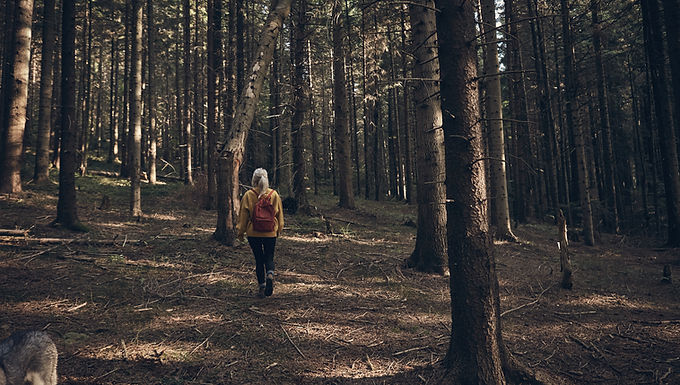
column 260, row 180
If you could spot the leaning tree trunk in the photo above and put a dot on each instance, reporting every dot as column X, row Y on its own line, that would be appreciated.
column 231, row 156
column 10, row 168
column 300, row 102
column 342, row 132
column 570, row 102
column 67, row 210
column 494, row 119
column 669, row 155
column 136, row 110
column 430, row 251
column 42, row 152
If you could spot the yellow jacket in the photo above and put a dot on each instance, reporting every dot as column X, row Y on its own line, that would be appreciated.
column 245, row 226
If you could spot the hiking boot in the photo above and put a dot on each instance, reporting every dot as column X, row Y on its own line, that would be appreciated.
column 260, row 294
column 269, row 286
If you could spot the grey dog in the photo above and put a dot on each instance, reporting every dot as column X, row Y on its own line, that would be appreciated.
column 28, row 357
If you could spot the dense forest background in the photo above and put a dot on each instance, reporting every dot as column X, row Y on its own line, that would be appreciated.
column 491, row 128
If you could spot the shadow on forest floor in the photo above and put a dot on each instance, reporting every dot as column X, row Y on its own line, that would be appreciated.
column 163, row 303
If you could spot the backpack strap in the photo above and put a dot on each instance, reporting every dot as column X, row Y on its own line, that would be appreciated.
column 269, row 196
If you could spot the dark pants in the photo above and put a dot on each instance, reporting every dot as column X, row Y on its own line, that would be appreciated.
column 263, row 249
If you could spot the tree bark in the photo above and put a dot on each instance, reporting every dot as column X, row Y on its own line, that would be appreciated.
column 669, row 155
column 67, row 209
column 136, row 110
column 214, row 68
column 42, row 153
column 187, row 144
column 606, row 130
column 474, row 355
column 671, row 11
column 231, row 156
column 342, row 132
column 570, row 101
column 300, row 101
column 13, row 130
column 496, row 132
column 430, row 250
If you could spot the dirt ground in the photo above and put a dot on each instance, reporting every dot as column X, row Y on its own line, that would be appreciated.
column 157, row 301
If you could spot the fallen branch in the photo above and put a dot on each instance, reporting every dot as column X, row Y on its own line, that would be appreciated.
column 14, row 232
column 202, row 343
column 346, row 221
column 293, row 343
column 67, row 241
column 410, row 350
column 528, row 303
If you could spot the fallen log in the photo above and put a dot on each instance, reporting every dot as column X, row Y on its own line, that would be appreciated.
column 14, row 232
column 66, row 241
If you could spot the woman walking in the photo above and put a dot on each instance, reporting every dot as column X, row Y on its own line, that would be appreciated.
column 261, row 219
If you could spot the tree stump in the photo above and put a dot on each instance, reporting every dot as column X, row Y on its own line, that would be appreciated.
column 565, row 259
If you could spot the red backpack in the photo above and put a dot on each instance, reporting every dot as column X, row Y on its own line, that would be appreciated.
column 263, row 214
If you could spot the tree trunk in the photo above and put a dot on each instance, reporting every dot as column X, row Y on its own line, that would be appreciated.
column 342, row 132
column 565, row 259
column 609, row 160
column 494, row 118
column 300, row 101
column 669, row 155
column 188, row 177
column 151, row 89
column 518, row 108
column 474, row 355
column 113, row 117
column 406, row 126
column 231, row 156
column 214, row 68
column 570, row 102
column 671, row 11
column 123, row 134
column 13, row 130
column 42, row 153
column 67, row 209
column 430, row 251
column 136, row 110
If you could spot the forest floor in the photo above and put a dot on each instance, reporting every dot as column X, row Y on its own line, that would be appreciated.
column 157, row 301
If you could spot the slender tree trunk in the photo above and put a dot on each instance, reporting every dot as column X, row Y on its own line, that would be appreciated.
column 188, row 177
column 13, row 128
column 231, row 156
column 124, row 126
column 494, row 111
column 609, row 160
column 671, row 11
column 113, row 116
column 369, row 104
column 300, row 101
column 136, row 110
column 214, row 68
column 67, row 209
column 42, row 153
column 430, row 250
column 669, row 155
column 275, row 119
column 343, row 151
column 406, row 125
column 518, row 108
column 151, row 89
column 570, row 102
column 313, row 128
